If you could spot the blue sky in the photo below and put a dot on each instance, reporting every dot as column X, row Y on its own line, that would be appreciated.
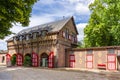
column 51, row 10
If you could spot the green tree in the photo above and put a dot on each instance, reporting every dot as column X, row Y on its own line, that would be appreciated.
column 80, row 44
column 12, row 12
column 104, row 24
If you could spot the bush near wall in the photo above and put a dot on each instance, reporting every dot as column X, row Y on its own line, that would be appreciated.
column 13, row 60
column 27, row 61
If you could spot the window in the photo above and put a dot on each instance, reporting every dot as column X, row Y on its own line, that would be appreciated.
column 89, row 51
column 111, row 51
column 20, row 38
column 34, row 35
column 74, row 38
column 44, row 32
column 63, row 34
column 67, row 34
column 70, row 38
column 27, row 37
column 3, row 59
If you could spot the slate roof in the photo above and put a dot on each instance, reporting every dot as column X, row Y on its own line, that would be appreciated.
column 50, row 27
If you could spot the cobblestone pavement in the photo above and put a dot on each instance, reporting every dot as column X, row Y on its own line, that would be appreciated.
column 20, row 73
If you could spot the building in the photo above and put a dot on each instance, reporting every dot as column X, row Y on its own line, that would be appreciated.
column 3, row 57
column 46, row 44
column 107, row 58
column 54, row 45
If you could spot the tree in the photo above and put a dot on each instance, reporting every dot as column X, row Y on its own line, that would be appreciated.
column 80, row 44
column 12, row 12
column 103, row 28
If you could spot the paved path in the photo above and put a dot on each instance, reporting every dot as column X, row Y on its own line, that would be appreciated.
column 20, row 73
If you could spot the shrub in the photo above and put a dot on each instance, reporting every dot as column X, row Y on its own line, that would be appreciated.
column 13, row 60
column 27, row 61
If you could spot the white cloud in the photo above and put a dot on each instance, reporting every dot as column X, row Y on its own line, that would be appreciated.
column 80, row 28
column 82, row 9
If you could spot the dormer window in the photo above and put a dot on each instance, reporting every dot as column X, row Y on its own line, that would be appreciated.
column 44, row 32
column 34, row 35
column 20, row 38
column 27, row 37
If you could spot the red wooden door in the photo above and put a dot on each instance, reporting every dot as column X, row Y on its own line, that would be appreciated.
column 34, row 59
column 8, row 59
column 19, row 59
column 89, row 61
column 51, row 60
column 72, row 60
column 111, row 61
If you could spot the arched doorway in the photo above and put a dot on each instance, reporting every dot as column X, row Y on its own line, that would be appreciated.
column 44, row 60
column 28, row 60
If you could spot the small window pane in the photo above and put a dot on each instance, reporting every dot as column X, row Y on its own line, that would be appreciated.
column 111, row 51
column 27, row 37
column 89, row 51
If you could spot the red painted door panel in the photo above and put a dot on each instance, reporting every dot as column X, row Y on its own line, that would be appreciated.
column 72, row 60
column 111, row 61
column 8, row 59
column 89, row 61
column 19, row 59
column 34, row 59
column 51, row 60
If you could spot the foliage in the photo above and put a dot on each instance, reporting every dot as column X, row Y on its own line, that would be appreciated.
column 14, row 11
column 27, row 61
column 103, row 28
column 13, row 60
column 80, row 44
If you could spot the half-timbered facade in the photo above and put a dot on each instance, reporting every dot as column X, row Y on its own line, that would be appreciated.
column 46, row 44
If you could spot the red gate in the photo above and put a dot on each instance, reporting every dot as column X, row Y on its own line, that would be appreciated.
column 51, row 60
column 72, row 60
column 19, row 59
column 111, row 61
column 34, row 59
column 8, row 59
column 89, row 61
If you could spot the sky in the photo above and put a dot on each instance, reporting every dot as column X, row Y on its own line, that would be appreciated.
column 45, row 11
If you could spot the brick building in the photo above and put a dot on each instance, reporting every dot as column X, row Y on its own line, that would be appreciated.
column 46, row 44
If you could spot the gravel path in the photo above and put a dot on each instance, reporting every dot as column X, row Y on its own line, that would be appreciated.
column 20, row 73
